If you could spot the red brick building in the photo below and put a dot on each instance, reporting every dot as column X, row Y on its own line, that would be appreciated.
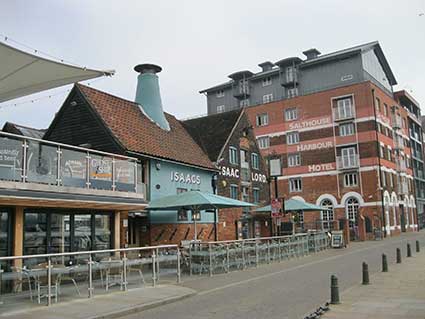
column 341, row 135
column 230, row 143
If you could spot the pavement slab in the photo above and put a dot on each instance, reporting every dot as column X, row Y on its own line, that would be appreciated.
column 113, row 305
column 399, row 293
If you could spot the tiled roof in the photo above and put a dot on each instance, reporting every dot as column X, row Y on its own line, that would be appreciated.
column 137, row 133
column 211, row 132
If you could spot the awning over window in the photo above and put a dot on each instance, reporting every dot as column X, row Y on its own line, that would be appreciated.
column 22, row 73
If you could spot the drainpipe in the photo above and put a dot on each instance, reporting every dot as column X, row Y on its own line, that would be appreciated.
column 214, row 186
column 379, row 165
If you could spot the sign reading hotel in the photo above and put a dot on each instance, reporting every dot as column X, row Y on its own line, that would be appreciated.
column 309, row 123
column 234, row 172
column 320, row 167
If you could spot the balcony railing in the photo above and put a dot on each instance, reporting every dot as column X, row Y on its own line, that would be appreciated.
column 29, row 160
column 396, row 123
column 401, row 166
column 241, row 90
column 289, row 80
column 347, row 161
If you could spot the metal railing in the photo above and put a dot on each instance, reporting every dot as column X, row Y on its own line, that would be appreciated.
column 31, row 278
column 348, row 161
column 225, row 256
column 31, row 160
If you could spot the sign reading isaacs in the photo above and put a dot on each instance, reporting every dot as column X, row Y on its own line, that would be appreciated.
column 234, row 172
column 185, row 178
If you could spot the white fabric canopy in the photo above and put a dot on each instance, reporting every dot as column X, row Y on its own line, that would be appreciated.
column 22, row 73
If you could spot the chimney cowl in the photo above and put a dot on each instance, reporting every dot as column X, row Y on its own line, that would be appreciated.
column 311, row 53
column 148, row 94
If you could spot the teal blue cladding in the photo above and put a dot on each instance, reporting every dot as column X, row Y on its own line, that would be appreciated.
column 169, row 177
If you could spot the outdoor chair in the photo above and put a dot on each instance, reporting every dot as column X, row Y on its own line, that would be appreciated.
column 69, row 275
column 39, row 273
column 23, row 277
column 112, row 273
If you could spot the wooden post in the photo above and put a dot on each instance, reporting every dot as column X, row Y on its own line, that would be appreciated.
column 18, row 235
column 117, row 229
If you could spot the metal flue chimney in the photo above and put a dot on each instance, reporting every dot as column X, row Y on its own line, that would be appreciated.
column 148, row 94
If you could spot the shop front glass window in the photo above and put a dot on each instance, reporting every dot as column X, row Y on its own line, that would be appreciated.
column 4, row 233
column 82, row 232
column 102, row 231
column 35, row 236
column 60, row 230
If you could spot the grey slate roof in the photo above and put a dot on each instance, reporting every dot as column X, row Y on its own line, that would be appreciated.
column 23, row 130
column 211, row 132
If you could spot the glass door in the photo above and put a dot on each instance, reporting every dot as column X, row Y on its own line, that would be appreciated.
column 4, row 232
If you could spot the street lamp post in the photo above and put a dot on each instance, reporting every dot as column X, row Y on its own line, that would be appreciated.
column 275, row 168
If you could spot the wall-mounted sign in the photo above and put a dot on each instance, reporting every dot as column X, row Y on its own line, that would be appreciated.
column 347, row 77
column 257, row 177
column 235, row 173
column 309, row 123
column 321, row 167
column 314, row 146
column 229, row 172
column 185, row 178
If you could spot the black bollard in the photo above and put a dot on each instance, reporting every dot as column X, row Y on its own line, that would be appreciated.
column 365, row 272
column 409, row 251
column 398, row 256
column 418, row 248
column 384, row 263
column 334, row 290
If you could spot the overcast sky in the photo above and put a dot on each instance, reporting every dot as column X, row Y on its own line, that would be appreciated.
column 198, row 43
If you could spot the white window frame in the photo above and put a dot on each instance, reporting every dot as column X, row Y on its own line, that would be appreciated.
column 267, row 98
column 295, row 185
column 220, row 93
column 294, row 159
column 263, row 142
column 233, row 155
column 267, row 81
column 292, row 138
column 291, row 114
column 344, row 108
column 262, row 119
column 255, row 190
column 244, row 102
column 236, row 188
column 255, row 161
column 290, row 74
column 221, row 108
column 346, row 129
column 351, row 179
column 292, row 92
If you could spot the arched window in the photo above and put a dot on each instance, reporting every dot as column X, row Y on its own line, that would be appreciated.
column 327, row 215
column 352, row 210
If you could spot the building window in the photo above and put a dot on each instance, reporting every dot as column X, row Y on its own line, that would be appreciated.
column 292, row 92
column 346, row 129
column 182, row 215
column 267, row 98
column 234, row 191
column 267, row 81
column 381, row 151
column 221, row 108
column 255, row 163
column 389, row 153
column 262, row 119
column 378, row 105
column 220, row 93
column 181, row 190
column 233, row 155
column 292, row 138
column 256, row 195
column 327, row 215
column 263, row 142
column 391, row 180
column 344, row 109
column 244, row 102
column 350, row 180
column 295, row 185
column 384, row 179
column 291, row 114
column 294, row 160
column 290, row 74
column 351, row 210
column 385, row 109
